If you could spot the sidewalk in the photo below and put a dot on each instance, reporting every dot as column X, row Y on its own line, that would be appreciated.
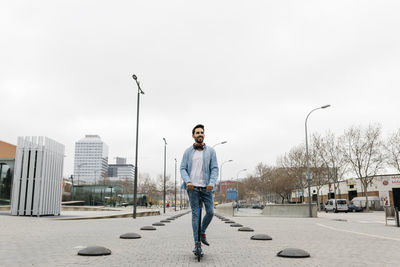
column 361, row 240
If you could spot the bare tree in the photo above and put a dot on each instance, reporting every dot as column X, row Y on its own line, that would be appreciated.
column 104, row 177
column 282, row 183
column 364, row 155
column 392, row 148
column 294, row 163
column 318, row 167
column 148, row 186
column 249, row 187
column 126, row 184
column 169, row 186
column 331, row 152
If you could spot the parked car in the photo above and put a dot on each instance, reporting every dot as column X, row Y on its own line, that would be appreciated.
column 354, row 208
column 336, row 205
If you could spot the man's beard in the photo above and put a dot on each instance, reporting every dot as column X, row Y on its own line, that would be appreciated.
column 199, row 140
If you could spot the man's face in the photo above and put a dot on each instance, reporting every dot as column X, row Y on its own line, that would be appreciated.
column 198, row 135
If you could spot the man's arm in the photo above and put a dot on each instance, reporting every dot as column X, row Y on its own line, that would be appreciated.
column 184, row 167
column 214, row 170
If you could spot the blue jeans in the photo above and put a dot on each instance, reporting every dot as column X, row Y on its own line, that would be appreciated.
column 208, row 201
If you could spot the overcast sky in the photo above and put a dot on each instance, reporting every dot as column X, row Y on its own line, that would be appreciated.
column 250, row 71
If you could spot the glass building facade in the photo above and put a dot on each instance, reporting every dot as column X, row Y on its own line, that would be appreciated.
column 6, row 179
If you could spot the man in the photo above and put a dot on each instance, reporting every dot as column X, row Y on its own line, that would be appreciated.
column 199, row 168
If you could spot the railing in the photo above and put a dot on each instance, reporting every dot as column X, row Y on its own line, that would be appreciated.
column 392, row 213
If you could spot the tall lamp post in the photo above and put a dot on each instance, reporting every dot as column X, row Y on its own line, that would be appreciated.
column 137, row 141
column 237, row 187
column 309, row 178
column 220, row 179
column 165, row 167
column 223, row 142
column 175, row 184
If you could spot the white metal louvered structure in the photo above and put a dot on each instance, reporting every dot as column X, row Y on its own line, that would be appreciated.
column 37, row 185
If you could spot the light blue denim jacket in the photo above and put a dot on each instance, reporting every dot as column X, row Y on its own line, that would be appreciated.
column 210, row 166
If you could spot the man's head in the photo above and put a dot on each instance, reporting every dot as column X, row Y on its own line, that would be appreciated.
column 198, row 133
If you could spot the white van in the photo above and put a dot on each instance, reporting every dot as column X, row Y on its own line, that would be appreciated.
column 336, row 205
column 374, row 202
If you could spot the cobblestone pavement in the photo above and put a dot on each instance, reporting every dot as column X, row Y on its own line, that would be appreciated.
column 352, row 239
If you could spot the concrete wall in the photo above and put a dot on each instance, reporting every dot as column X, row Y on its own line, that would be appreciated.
column 225, row 209
column 289, row 210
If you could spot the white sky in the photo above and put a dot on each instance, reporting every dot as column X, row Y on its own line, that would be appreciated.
column 250, row 71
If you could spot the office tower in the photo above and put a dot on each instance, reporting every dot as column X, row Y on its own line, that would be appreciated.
column 91, row 160
column 121, row 170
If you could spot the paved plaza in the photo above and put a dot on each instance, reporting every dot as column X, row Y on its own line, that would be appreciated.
column 352, row 239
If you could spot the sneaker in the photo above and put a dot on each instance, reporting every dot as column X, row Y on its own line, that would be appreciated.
column 195, row 250
column 203, row 239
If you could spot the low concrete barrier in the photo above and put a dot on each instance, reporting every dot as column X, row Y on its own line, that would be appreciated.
column 225, row 209
column 86, row 208
column 121, row 215
column 289, row 210
column 7, row 208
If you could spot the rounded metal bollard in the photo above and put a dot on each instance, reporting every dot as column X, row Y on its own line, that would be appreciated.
column 293, row 253
column 246, row 229
column 229, row 222
column 158, row 224
column 165, row 221
column 148, row 228
column 130, row 236
column 261, row 237
column 94, row 251
column 236, row 225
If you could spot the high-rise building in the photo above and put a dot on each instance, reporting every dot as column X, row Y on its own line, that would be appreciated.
column 121, row 170
column 91, row 160
column 120, row 160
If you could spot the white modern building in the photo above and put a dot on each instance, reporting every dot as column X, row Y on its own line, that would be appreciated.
column 91, row 160
column 121, row 170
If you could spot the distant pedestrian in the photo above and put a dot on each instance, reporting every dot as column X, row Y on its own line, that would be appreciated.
column 199, row 169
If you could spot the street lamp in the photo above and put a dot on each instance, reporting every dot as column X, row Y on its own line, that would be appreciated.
column 79, row 170
column 175, row 184
column 309, row 178
column 223, row 142
column 95, row 182
column 72, row 188
column 165, row 167
column 220, row 179
column 137, row 141
column 237, row 187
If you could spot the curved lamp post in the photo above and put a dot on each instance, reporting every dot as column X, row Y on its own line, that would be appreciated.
column 309, row 178
column 237, row 187
column 223, row 142
column 165, row 167
column 220, row 179
column 137, row 141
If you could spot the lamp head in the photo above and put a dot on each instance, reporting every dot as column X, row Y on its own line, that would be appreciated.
column 134, row 77
column 326, row 106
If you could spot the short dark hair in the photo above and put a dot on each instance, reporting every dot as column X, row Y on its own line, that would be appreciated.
column 198, row 126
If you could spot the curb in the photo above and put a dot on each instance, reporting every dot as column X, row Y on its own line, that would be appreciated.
column 123, row 215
